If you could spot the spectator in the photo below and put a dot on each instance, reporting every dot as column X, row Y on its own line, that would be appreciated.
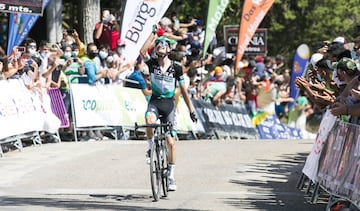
column 90, row 66
column 103, row 30
column 121, row 68
column 3, row 67
column 136, row 78
column 101, row 63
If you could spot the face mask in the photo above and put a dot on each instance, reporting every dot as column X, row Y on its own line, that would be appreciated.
column 67, row 55
column 319, row 78
column 92, row 55
column 75, row 53
column 31, row 51
column 45, row 55
column 69, row 42
column 103, row 54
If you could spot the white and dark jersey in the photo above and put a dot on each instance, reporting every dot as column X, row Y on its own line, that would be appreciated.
column 163, row 85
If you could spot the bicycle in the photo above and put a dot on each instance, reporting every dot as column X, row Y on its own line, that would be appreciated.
column 158, row 158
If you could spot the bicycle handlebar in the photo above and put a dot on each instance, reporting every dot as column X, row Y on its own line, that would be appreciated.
column 167, row 125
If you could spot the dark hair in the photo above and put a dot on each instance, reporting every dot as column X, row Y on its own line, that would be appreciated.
column 324, row 64
column 192, row 72
column 4, row 60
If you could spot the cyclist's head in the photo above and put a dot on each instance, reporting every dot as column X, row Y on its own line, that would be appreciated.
column 163, row 46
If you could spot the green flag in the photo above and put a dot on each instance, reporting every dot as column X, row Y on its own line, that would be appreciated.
column 215, row 12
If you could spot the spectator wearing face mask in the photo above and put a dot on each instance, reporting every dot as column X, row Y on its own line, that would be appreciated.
column 71, row 37
column 101, row 61
column 121, row 67
column 90, row 66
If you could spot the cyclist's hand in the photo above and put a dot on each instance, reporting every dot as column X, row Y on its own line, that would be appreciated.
column 193, row 116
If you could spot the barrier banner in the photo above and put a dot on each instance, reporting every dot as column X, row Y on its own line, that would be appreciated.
column 228, row 120
column 339, row 166
column 272, row 128
column 183, row 121
column 108, row 105
column 20, row 110
column 312, row 161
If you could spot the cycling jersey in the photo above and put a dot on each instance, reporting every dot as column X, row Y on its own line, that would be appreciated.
column 163, row 84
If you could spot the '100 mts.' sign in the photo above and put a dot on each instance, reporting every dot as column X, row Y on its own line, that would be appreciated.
column 22, row 6
column 257, row 45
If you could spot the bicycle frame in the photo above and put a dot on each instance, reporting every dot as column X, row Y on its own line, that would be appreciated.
column 158, row 159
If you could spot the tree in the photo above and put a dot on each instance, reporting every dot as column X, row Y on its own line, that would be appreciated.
column 290, row 23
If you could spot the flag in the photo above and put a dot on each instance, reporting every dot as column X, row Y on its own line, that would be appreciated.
column 252, row 14
column 300, row 62
column 20, row 26
column 215, row 12
column 138, row 20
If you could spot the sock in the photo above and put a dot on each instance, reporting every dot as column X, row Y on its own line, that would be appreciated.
column 171, row 170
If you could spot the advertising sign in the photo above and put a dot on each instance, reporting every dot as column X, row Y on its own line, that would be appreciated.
column 22, row 6
column 257, row 45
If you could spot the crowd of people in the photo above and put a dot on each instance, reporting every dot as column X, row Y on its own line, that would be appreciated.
column 261, row 83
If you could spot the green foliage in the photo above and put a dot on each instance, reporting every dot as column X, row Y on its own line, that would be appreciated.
column 290, row 23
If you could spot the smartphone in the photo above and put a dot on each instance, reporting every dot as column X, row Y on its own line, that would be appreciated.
column 75, row 59
column 70, row 31
column 21, row 49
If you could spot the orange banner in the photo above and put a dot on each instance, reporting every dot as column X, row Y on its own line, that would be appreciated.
column 253, row 13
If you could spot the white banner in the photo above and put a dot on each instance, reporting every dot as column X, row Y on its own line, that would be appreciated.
column 21, row 111
column 138, row 20
column 108, row 105
column 312, row 161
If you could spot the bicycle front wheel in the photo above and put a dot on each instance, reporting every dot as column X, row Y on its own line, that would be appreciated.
column 155, row 172
column 164, row 168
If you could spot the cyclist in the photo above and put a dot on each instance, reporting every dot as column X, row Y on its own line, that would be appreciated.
column 164, row 73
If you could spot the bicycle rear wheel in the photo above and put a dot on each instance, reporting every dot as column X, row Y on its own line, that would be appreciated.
column 164, row 168
column 155, row 172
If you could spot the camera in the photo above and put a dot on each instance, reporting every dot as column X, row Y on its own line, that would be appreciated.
column 75, row 59
column 21, row 49
column 70, row 31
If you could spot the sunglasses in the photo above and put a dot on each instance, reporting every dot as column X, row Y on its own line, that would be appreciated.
column 163, row 43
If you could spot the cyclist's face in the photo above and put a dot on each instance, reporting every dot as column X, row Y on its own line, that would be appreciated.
column 162, row 48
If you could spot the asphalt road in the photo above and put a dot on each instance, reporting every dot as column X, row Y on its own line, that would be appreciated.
column 112, row 175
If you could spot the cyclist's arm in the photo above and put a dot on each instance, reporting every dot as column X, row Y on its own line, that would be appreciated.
column 186, row 97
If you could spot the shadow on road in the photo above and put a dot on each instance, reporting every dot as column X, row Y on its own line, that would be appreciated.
column 277, row 188
column 56, row 202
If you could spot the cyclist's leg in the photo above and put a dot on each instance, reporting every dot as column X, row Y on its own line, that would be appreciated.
column 169, row 116
column 151, row 116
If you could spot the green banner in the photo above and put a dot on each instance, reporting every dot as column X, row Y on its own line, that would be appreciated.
column 215, row 12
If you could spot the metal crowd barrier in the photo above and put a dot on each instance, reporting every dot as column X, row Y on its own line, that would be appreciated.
column 76, row 129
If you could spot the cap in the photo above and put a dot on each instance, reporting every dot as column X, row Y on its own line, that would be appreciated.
column 120, row 42
column 348, row 65
column 259, row 59
column 302, row 101
column 218, row 70
column 340, row 40
column 163, row 38
column 315, row 58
